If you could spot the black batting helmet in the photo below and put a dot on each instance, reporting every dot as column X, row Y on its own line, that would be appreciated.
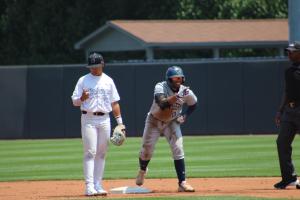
column 95, row 59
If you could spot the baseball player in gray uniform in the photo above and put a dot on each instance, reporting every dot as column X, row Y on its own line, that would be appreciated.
column 165, row 117
column 97, row 96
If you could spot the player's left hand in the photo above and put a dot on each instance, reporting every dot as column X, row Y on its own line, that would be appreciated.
column 181, row 119
column 119, row 135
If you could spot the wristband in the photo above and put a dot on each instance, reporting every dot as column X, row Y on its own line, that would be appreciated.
column 119, row 120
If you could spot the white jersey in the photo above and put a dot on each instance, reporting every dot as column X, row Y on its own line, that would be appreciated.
column 102, row 92
column 168, row 114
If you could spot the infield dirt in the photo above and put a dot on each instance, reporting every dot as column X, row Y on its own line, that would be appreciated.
column 253, row 187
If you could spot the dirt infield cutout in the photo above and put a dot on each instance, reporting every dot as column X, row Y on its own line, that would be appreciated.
column 253, row 187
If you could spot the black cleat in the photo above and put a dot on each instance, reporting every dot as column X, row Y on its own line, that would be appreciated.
column 283, row 184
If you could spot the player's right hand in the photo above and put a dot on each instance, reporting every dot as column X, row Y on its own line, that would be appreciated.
column 277, row 119
column 85, row 95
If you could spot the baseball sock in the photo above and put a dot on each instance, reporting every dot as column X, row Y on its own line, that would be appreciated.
column 143, row 164
column 180, row 169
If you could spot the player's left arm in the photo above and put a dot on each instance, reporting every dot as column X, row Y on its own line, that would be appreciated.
column 191, row 101
column 189, row 110
column 114, row 99
column 117, row 112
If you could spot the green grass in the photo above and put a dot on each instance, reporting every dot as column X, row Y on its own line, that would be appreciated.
column 206, row 156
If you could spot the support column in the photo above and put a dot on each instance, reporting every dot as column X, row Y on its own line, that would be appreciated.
column 216, row 52
column 149, row 54
column 281, row 52
column 294, row 16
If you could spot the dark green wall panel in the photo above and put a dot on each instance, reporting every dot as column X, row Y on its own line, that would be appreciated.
column 233, row 97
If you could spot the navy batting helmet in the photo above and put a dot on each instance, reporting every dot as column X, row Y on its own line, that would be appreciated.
column 174, row 71
column 95, row 59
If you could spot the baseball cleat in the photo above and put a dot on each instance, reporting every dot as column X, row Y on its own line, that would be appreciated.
column 283, row 184
column 185, row 187
column 90, row 191
column 100, row 191
column 141, row 177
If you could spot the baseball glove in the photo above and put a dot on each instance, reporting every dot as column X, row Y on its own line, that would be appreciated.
column 118, row 135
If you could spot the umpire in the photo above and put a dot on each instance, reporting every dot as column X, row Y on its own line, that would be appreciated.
column 288, row 118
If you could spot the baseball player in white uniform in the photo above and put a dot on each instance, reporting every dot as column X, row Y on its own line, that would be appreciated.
column 165, row 117
column 97, row 96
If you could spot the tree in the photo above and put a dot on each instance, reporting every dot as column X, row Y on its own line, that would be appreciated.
column 44, row 32
column 232, row 9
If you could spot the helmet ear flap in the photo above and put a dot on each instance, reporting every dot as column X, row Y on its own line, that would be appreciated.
column 169, row 81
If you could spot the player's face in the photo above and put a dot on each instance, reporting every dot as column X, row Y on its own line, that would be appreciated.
column 96, row 71
column 177, row 81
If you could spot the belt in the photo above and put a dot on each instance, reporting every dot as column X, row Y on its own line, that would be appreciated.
column 293, row 104
column 94, row 113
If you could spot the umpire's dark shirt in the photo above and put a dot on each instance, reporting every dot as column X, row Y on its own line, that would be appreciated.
column 292, row 79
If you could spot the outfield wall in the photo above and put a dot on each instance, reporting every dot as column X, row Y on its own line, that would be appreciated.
column 238, row 97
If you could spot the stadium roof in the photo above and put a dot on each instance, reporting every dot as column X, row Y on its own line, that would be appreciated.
column 146, row 34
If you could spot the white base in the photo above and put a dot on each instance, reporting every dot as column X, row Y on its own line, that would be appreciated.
column 129, row 190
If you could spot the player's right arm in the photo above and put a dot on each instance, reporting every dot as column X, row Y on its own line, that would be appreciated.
column 161, row 98
column 163, row 101
column 79, row 94
column 284, row 101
